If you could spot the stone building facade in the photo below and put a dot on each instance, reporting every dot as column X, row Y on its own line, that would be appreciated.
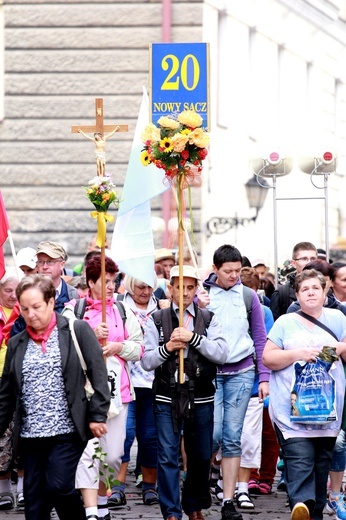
column 278, row 85
column 58, row 57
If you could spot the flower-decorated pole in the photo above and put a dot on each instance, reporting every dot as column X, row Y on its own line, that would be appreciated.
column 101, row 192
column 178, row 146
column 181, row 205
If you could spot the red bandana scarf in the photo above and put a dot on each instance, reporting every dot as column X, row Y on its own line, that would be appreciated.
column 45, row 335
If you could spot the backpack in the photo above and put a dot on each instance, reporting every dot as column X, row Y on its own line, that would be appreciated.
column 79, row 310
column 285, row 299
column 162, row 319
column 195, row 368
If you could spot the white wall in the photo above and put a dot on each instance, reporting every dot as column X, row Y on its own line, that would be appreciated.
column 277, row 82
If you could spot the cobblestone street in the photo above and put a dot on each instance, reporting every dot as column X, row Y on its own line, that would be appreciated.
column 269, row 507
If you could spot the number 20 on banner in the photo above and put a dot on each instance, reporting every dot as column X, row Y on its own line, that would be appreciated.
column 179, row 79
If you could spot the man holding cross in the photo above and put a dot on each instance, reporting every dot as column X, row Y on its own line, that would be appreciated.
column 189, row 405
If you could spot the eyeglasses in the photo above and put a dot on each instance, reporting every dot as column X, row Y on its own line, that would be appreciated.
column 41, row 263
column 305, row 259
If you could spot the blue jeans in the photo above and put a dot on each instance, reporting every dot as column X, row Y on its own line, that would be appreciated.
column 141, row 424
column 198, row 434
column 307, row 462
column 130, row 431
column 232, row 397
column 339, row 453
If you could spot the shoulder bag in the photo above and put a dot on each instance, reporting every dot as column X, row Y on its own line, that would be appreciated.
column 89, row 391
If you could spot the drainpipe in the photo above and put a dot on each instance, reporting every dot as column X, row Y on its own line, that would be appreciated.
column 167, row 195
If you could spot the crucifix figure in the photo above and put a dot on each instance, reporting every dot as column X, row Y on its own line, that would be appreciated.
column 99, row 138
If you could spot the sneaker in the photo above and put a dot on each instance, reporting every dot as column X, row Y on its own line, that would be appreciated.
column 265, row 488
column 6, row 501
column 300, row 512
column 328, row 510
column 117, row 499
column 244, row 501
column 254, row 487
column 282, row 486
column 228, row 512
column 20, row 500
column 139, row 480
column 336, row 505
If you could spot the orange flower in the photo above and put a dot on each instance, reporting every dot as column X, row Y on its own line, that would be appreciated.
column 168, row 122
column 199, row 138
column 190, row 118
column 179, row 142
column 151, row 133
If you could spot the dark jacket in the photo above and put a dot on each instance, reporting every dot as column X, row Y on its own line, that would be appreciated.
column 282, row 297
column 331, row 303
column 164, row 384
column 82, row 411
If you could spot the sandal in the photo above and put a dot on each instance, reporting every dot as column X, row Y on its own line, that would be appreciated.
column 265, row 488
column 117, row 499
column 6, row 500
column 254, row 487
column 150, row 497
column 219, row 491
column 244, row 501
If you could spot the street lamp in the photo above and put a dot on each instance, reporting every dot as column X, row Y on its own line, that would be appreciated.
column 256, row 194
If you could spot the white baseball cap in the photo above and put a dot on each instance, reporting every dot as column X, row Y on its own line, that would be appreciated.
column 27, row 256
column 258, row 261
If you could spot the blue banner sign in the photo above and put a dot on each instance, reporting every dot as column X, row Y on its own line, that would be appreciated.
column 179, row 79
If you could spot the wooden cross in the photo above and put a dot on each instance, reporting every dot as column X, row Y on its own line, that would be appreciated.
column 98, row 130
column 99, row 139
column 99, row 127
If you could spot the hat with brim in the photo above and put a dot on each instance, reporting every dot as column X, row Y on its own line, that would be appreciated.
column 26, row 256
column 188, row 271
column 51, row 249
column 163, row 254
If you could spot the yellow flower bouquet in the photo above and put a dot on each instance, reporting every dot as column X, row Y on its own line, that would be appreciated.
column 101, row 193
column 178, row 145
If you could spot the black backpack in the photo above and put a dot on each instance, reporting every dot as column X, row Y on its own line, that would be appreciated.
column 198, row 371
column 79, row 309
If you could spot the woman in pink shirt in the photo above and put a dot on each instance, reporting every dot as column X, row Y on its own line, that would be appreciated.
column 121, row 341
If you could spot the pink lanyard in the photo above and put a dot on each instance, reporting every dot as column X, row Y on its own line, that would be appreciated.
column 187, row 320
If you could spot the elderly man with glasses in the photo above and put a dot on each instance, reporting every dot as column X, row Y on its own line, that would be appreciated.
column 51, row 258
